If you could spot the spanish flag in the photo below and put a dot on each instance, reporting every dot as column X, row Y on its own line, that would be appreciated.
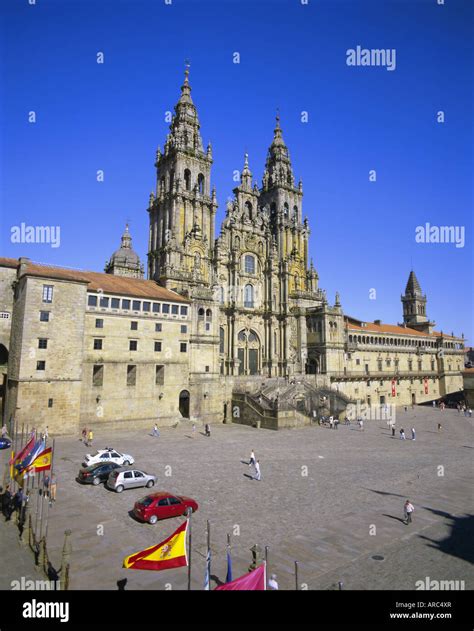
column 42, row 462
column 168, row 554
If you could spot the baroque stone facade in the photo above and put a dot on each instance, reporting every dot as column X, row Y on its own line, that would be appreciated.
column 234, row 319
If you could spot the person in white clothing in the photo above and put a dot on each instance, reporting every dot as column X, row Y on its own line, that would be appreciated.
column 258, row 475
column 408, row 509
column 252, row 458
column 272, row 583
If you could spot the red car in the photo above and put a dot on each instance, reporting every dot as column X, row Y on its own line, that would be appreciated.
column 161, row 505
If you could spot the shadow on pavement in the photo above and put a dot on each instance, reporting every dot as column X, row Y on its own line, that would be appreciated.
column 459, row 542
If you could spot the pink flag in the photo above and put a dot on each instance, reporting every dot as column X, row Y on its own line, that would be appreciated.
column 254, row 580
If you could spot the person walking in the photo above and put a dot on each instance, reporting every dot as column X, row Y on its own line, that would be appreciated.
column 439, row 427
column 402, row 434
column 393, row 429
column 4, row 430
column 408, row 509
column 53, row 488
column 207, row 429
column 361, row 424
column 434, row 405
column 469, row 413
column 272, row 583
column 258, row 474
column 331, row 422
column 6, row 503
column 156, row 431
column 90, row 438
column 413, row 433
column 46, row 485
column 194, row 430
column 252, row 458
column 84, row 435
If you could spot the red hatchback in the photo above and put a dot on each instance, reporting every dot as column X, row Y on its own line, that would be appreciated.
column 161, row 505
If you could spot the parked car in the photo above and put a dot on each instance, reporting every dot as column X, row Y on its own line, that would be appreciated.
column 108, row 455
column 161, row 505
column 5, row 443
column 96, row 473
column 122, row 478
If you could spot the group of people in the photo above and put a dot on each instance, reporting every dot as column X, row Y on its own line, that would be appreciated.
column 463, row 409
column 11, row 503
column 87, row 436
column 402, row 432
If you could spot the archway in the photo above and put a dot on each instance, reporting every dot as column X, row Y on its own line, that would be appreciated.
column 248, row 352
column 3, row 355
column 184, row 403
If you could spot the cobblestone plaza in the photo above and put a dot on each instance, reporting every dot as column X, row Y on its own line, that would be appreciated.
column 323, row 492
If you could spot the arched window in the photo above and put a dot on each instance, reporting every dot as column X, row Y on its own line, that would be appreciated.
column 295, row 212
column 249, row 264
column 248, row 209
column 286, row 209
column 221, row 295
column 201, row 314
column 209, row 315
column 241, row 336
column 171, row 180
column 187, row 179
column 273, row 209
column 201, row 183
column 221, row 340
column 248, row 296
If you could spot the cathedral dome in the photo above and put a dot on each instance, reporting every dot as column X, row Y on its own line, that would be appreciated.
column 125, row 258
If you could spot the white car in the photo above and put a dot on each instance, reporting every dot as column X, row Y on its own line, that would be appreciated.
column 108, row 455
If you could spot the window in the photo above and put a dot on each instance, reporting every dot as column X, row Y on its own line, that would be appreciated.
column 138, row 474
column 92, row 301
column 131, row 375
column 159, row 375
column 174, row 501
column 432, row 366
column 420, row 366
column 133, row 325
column 136, row 305
column 125, row 304
column 50, row 403
column 248, row 296
column 42, row 343
column 158, row 327
column 163, row 502
column 44, row 316
column 201, row 314
column 156, row 307
column 41, row 365
column 128, row 475
column 249, row 264
column 221, row 340
column 166, row 308
column 133, row 345
column 357, row 362
column 115, row 303
column 184, row 311
column 183, row 347
column 184, row 328
column 410, row 365
column 174, row 309
column 367, row 369
column 201, row 183
column 99, row 324
column 209, row 315
column 47, row 293
column 98, row 344
column 147, row 306
column 157, row 347
column 98, row 375
column 208, row 326
column 187, row 179
column 207, row 368
column 104, row 301
column 379, row 365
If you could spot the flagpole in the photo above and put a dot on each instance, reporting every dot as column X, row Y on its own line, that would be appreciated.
column 296, row 575
column 208, row 562
column 190, row 512
column 50, row 485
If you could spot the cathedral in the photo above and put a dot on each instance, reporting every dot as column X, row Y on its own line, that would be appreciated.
column 228, row 327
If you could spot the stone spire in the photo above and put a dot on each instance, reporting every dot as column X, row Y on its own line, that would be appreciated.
column 246, row 175
column 278, row 169
column 414, row 306
column 184, row 129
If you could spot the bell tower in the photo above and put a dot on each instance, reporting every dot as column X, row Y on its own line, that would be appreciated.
column 414, row 306
column 182, row 211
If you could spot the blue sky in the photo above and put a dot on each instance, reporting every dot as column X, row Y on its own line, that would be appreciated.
column 293, row 57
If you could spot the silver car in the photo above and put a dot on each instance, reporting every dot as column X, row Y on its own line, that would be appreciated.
column 125, row 478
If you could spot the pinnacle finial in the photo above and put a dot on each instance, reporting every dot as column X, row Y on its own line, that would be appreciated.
column 186, row 71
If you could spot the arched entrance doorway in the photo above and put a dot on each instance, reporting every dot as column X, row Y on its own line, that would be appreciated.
column 184, row 403
column 248, row 352
column 3, row 355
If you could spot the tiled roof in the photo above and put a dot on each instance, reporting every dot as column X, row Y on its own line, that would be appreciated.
column 6, row 262
column 108, row 283
column 371, row 327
